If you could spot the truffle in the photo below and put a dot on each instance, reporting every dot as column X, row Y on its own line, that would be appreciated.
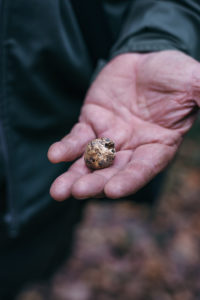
column 99, row 153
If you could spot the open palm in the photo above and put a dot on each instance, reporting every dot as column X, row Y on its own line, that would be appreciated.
column 144, row 103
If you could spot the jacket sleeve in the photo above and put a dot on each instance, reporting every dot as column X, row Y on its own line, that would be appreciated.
column 154, row 25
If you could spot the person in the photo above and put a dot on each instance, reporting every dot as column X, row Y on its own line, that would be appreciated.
column 144, row 95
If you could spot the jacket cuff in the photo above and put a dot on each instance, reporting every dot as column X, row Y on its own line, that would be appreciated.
column 146, row 46
column 138, row 47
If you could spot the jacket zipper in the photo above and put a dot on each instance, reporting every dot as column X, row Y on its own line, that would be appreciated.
column 10, row 217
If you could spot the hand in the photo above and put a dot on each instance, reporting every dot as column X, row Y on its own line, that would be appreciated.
column 145, row 103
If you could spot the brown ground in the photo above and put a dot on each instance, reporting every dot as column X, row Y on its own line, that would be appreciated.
column 130, row 252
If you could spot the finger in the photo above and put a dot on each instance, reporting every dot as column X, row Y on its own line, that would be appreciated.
column 147, row 161
column 72, row 145
column 61, row 187
column 92, row 184
column 116, row 126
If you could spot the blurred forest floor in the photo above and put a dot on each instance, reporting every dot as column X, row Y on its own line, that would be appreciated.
column 125, row 251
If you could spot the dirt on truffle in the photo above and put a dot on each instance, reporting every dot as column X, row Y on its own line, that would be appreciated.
column 100, row 153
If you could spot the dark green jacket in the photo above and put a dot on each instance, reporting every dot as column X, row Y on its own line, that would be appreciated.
column 45, row 70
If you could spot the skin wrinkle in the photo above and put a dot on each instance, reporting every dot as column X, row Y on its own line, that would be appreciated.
column 112, row 123
column 70, row 141
column 142, row 100
column 79, row 126
column 179, row 108
column 120, row 108
column 88, row 117
column 181, row 99
column 164, row 89
column 130, row 184
column 186, row 123
column 117, row 111
column 194, row 90
column 76, row 168
column 140, row 162
column 89, row 124
column 86, row 195
column 149, row 115
column 164, row 141
column 74, row 154
column 142, row 105
column 160, row 89
column 176, row 144
column 94, row 99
